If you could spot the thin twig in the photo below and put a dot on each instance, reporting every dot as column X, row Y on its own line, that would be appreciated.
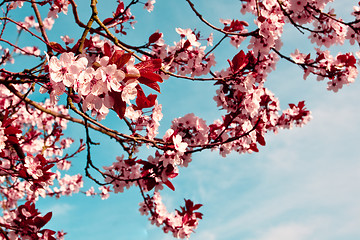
column 41, row 25
column 216, row 28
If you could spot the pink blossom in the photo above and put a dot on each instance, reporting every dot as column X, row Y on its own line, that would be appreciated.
column 109, row 75
column 189, row 34
column 104, row 192
column 69, row 185
column 210, row 39
column 29, row 51
column 90, row 192
column 298, row 57
column 66, row 69
column 15, row 4
column 149, row 5
column 129, row 91
column 63, row 165
column 32, row 167
column 179, row 145
column 29, row 22
column 67, row 40
column 48, row 23
column 59, row 6
column 3, row 138
column 169, row 133
column 132, row 114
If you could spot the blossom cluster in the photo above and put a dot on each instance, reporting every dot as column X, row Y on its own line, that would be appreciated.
column 103, row 83
column 26, row 222
column 340, row 70
column 180, row 223
column 186, row 56
column 31, row 142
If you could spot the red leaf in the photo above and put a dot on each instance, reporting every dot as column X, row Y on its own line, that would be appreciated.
column 301, row 104
column 12, row 130
column 320, row 57
column 150, row 184
column 48, row 167
column 191, row 222
column 254, row 147
column 154, row 37
column 119, row 105
column 119, row 58
column 41, row 158
column 187, row 44
column 260, row 139
column 198, row 215
column 12, row 139
column 227, row 120
column 41, row 221
column 188, row 204
column 149, row 65
column 150, row 84
column 107, row 49
column 291, row 105
column 170, row 185
column 57, row 47
column 145, row 173
column 150, row 79
column 236, row 25
column 239, row 62
column 107, row 21
column 197, row 206
column 119, row 9
column 348, row 59
column 144, row 102
column 22, row 173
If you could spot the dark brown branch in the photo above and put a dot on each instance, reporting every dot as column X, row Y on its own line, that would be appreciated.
column 23, row 28
column 41, row 25
column 215, row 144
column 216, row 28
column 96, row 126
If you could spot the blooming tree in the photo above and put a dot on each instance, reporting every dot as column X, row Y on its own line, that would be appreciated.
column 99, row 73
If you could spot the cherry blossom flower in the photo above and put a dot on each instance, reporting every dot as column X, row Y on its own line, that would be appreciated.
column 33, row 168
column 66, row 69
column 149, row 5
column 189, row 34
column 16, row 4
column 104, row 192
column 90, row 192
column 129, row 92
column 110, row 75
column 63, row 165
column 179, row 145
column 67, row 40
column 210, row 39
column 29, row 22
column 48, row 23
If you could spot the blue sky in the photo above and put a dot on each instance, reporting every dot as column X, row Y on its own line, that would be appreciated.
column 304, row 185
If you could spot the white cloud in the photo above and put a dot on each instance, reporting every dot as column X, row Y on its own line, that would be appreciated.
column 287, row 231
column 60, row 209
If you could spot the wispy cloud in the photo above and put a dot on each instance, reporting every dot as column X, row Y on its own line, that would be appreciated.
column 59, row 209
column 303, row 185
column 287, row 231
